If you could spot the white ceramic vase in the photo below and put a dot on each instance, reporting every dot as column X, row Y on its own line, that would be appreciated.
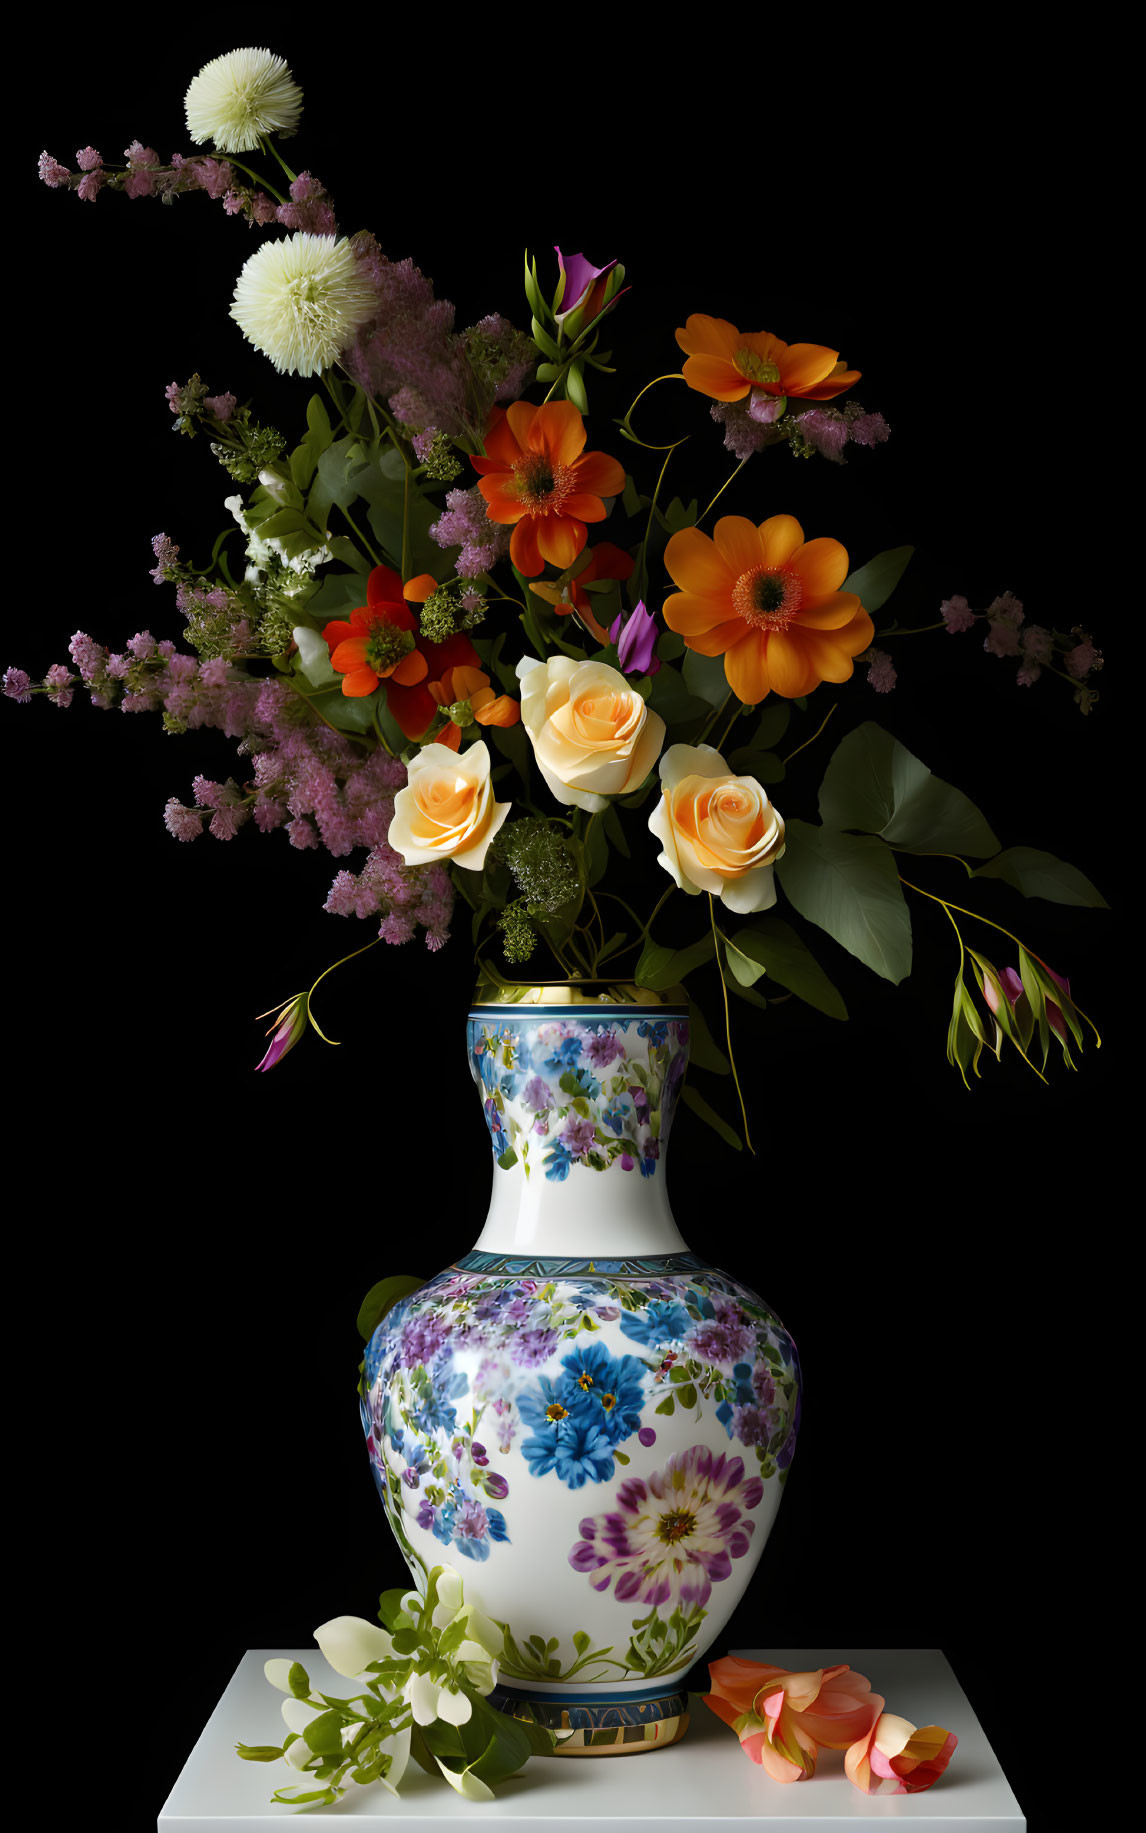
column 591, row 1422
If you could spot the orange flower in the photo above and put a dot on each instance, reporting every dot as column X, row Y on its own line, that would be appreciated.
column 898, row 1758
column 380, row 640
column 767, row 601
column 782, row 1718
column 470, row 684
column 537, row 475
column 608, row 562
column 727, row 364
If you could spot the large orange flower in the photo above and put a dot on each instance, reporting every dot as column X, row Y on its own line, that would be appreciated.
column 769, row 602
column 537, row 475
column 728, row 364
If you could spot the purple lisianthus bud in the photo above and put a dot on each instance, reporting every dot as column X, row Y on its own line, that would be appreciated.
column 580, row 274
column 635, row 637
column 291, row 1024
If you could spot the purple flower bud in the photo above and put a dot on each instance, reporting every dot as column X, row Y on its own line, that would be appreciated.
column 636, row 638
column 290, row 1027
column 580, row 276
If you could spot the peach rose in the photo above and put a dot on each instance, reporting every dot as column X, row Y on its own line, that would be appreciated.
column 447, row 810
column 720, row 833
column 592, row 734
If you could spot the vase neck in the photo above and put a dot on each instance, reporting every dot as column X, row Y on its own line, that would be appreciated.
column 578, row 1104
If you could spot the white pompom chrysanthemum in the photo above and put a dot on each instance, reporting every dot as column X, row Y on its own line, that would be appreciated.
column 300, row 301
column 240, row 96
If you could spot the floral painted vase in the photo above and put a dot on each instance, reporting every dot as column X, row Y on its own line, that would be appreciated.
column 593, row 1423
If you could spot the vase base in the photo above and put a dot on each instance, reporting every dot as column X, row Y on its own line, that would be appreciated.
column 617, row 1727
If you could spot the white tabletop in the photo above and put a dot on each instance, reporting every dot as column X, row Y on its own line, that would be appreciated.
column 704, row 1780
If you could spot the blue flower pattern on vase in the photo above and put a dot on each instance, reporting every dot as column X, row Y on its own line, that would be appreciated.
column 578, row 1091
column 575, row 1374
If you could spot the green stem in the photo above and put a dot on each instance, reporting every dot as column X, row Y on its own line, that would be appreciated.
column 322, row 977
column 810, row 741
column 674, row 375
column 712, row 719
column 257, row 176
column 716, row 937
column 720, row 492
column 641, row 571
column 268, row 146
column 345, row 513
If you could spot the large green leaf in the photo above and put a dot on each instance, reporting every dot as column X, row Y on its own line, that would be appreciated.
column 847, row 884
column 671, row 698
column 875, row 784
column 875, row 582
column 1038, row 874
column 665, row 967
column 704, row 676
column 772, row 946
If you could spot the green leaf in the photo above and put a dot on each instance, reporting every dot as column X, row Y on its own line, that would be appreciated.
column 532, row 290
column 390, row 1612
column 772, row 946
column 382, row 1298
column 596, row 852
column 298, row 1680
column 324, row 1734
column 772, row 724
column 665, row 967
column 544, row 342
column 705, row 676
column 1038, row 874
column 614, row 828
column 874, row 583
column 575, row 388
column 711, row 1118
column 874, row 783
column 259, row 1753
column 507, row 1159
column 631, row 497
column 668, row 1404
column 765, row 766
column 687, row 1395
column 847, row 884
column 674, row 701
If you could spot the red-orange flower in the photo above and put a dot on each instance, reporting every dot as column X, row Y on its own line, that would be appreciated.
column 783, row 1719
column 472, row 684
column 382, row 642
column 608, row 562
column 769, row 602
column 728, row 364
column 537, row 475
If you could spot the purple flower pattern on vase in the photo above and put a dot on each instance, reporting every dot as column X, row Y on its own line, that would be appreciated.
column 590, row 1091
column 671, row 1536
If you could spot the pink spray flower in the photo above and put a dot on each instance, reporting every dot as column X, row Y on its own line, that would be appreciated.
column 897, row 1758
column 782, row 1719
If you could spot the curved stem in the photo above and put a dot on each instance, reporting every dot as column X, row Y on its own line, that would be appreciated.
column 674, row 375
column 322, row 977
column 724, row 486
column 257, row 176
column 810, row 741
column 345, row 513
column 728, row 1026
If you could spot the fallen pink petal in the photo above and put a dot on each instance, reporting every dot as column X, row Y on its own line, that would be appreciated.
column 898, row 1758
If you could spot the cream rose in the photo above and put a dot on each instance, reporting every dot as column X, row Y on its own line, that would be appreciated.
column 447, row 810
column 720, row 833
column 592, row 734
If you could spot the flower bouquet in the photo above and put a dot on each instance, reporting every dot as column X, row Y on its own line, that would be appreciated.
column 436, row 666
column 659, row 750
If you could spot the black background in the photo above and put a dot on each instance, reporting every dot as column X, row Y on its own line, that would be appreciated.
column 195, row 1239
